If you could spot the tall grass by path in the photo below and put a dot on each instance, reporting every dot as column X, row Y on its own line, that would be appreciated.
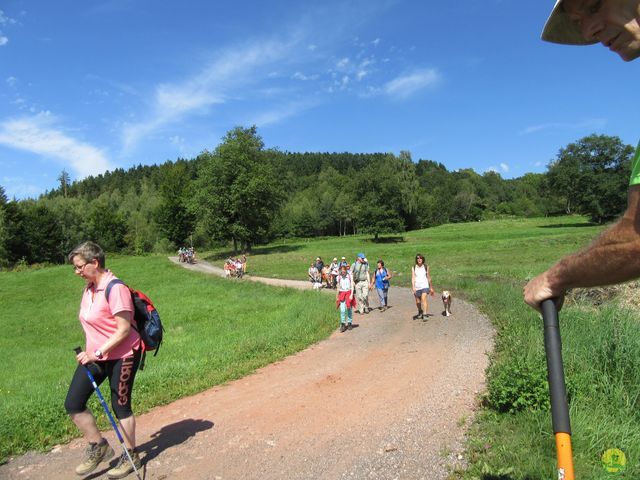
column 216, row 331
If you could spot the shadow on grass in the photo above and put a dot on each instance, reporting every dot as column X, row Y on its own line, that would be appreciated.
column 569, row 225
column 397, row 239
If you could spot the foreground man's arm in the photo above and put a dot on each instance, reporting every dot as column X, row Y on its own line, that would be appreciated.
column 613, row 257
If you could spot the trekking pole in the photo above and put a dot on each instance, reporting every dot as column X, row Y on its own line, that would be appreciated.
column 557, row 390
column 108, row 412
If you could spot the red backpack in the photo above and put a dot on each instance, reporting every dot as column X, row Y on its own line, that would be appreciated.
column 147, row 318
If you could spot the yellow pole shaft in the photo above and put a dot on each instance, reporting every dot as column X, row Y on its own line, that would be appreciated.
column 565, row 458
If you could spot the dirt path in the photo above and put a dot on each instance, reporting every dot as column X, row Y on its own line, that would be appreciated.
column 390, row 399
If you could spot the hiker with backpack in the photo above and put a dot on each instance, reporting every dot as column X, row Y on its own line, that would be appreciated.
column 112, row 351
column 380, row 280
column 362, row 280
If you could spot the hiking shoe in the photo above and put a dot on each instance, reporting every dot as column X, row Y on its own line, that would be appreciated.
column 383, row 309
column 343, row 327
column 93, row 455
column 418, row 316
column 124, row 467
column 349, row 327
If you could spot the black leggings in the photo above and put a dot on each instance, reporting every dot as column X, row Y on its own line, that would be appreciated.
column 120, row 373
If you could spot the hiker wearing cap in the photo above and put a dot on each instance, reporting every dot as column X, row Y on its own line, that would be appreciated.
column 334, row 271
column 613, row 256
column 361, row 278
column 319, row 265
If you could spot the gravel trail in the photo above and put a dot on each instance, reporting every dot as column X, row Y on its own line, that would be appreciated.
column 390, row 399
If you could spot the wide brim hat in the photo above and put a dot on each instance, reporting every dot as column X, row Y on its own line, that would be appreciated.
column 561, row 29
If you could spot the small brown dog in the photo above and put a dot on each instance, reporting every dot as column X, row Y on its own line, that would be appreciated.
column 447, row 300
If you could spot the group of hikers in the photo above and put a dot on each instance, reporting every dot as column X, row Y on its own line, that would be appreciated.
column 352, row 283
column 235, row 267
column 112, row 350
column 186, row 255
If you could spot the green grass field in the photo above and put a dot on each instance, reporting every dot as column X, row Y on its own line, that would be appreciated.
column 214, row 334
column 488, row 263
column 216, row 331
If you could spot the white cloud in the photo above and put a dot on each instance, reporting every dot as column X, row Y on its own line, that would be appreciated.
column 593, row 123
column 281, row 113
column 4, row 20
column 343, row 62
column 179, row 143
column 362, row 70
column 504, row 168
column 231, row 71
column 11, row 81
column 312, row 47
column 303, row 77
column 375, row 42
column 407, row 85
column 37, row 135
column 177, row 140
column 366, row 62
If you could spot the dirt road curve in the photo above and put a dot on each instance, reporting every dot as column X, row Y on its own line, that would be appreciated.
column 390, row 399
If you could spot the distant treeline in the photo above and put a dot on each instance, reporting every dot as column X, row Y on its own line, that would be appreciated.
column 244, row 194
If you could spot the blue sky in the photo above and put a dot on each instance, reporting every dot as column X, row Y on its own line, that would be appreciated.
column 89, row 86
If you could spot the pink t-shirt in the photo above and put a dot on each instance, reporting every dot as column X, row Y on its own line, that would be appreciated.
column 98, row 321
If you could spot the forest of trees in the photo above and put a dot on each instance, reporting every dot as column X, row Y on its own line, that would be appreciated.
column 243, row 194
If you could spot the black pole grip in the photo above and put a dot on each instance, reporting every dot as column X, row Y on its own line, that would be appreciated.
column 555, row 370
column 77, row 350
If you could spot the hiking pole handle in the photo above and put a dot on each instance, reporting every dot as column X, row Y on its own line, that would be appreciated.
column 557, row 389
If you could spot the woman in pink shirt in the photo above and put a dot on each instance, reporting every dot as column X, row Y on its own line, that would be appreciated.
column 112, row 352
